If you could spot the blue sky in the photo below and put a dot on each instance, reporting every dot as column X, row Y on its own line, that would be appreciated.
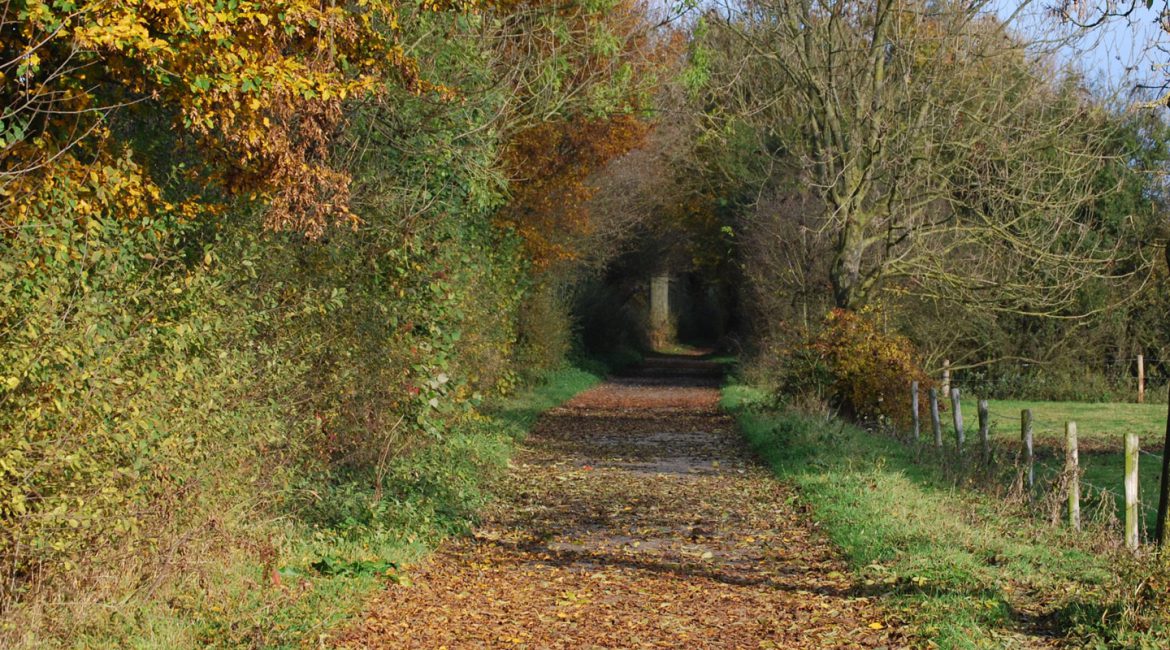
column 1116, row 55
column 1125, row 50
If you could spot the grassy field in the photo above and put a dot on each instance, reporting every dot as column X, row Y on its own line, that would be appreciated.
column 1101, row 428
column 966, row 569
column 1101, row 424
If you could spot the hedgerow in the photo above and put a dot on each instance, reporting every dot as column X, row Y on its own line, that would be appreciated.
column 256, row 309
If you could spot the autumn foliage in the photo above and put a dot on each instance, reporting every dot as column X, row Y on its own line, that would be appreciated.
column 549, row 161
column 260, row 264
column 257, row 87
column 870, row 370
column 551, row 164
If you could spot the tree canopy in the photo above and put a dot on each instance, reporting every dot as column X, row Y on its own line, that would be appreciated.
column 267, row 269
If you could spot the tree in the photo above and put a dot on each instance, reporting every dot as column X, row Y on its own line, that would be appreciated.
column 257, row 87
column 581, row 89
column 945, row 156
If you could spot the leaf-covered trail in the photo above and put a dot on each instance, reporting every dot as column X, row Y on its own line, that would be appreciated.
column 633, row 517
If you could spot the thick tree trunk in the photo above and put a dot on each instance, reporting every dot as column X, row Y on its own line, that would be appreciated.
column 849, row 290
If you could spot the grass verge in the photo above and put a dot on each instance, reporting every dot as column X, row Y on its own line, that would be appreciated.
column 966, row 570
column 345, row 543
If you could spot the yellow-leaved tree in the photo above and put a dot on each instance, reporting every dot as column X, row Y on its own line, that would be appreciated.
column 257, row 87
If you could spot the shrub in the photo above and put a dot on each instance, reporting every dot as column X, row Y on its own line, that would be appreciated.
column 1059, row 382
column 850, row 364
column 171, row 393
column 132, row 411
column 545, row 328
column 871, row 370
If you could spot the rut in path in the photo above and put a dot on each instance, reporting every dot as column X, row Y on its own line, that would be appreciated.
column 633, row 517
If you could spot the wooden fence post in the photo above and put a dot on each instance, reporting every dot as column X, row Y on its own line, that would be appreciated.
column 1072, row 471
column 1029, row 457
column 1141, row 379
column 985, row 431
column 957, row 416
column 1164, row 482
column 935, row 422
column 1132, row 512
column 914, row 411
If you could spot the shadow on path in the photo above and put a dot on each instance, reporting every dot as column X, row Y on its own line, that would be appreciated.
column 634, row 517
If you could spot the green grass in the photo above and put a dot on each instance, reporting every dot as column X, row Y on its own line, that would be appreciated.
column 344, row 544
column 966, row 570
column 1101, row 428
column 518, row 413
column 1101, row 422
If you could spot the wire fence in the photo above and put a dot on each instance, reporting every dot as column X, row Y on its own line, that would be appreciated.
column 1058, row 480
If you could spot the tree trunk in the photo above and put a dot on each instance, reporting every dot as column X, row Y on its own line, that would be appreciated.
column 848, row 290
column 661, row 320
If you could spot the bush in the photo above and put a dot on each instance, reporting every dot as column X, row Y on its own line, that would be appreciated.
column 1059, row 382
column 545, row 330
column 850, row 364
column 170, row 392
column 871, row 370
column 133, row 411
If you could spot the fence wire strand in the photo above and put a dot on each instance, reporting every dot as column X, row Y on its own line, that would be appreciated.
column 1090, row 488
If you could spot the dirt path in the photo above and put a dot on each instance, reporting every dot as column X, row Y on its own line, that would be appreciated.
column 633, row 517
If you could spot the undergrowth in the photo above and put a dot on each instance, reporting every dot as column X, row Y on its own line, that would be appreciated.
column 345, row 540
column 964, row 569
